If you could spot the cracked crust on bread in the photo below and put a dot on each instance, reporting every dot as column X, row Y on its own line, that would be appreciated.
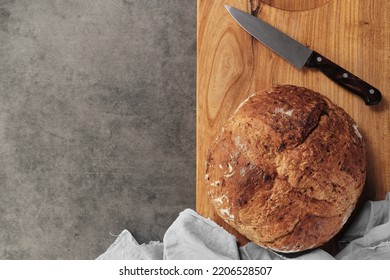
column 287, row 169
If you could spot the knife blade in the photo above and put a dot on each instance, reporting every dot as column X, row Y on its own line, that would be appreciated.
column 301, row 56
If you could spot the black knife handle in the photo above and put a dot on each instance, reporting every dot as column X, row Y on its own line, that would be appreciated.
column 344, row 78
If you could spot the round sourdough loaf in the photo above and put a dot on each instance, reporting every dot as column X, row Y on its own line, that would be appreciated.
column 287, row 169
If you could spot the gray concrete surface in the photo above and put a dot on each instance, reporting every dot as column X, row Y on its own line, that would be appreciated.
column 97, row 123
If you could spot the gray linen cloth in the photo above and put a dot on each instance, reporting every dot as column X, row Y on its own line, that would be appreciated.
column 193, row 237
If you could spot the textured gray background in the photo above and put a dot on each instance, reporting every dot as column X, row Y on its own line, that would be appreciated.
column 97, row 123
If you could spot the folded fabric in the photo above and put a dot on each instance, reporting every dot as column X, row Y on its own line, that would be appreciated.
column 192, row 236
column 368, row 238
column 126, row 247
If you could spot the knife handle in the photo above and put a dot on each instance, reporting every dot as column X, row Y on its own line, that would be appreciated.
column 344, row 78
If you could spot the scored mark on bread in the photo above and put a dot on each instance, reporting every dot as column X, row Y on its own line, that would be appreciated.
column 311, row 130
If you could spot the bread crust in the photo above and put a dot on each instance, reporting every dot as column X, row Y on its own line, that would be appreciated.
column 287, row 169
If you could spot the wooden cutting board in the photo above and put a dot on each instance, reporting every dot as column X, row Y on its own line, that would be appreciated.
column 231, row 65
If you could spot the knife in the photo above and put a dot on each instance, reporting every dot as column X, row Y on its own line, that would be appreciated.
column 300, row 55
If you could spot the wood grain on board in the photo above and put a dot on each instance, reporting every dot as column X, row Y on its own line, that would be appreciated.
column 231, row 65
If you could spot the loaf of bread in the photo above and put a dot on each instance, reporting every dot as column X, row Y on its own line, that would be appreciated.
column 287, row 169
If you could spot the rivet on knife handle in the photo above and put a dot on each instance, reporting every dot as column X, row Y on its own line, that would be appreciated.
column 344, row 78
